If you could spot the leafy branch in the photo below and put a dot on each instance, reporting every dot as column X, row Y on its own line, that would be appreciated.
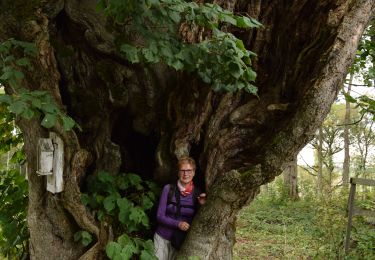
column 14, row 234
column 366, row 103
column 25, row 103
column 220, row 58
column 122, row 200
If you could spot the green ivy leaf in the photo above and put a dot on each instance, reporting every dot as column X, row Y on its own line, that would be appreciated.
column 112, row 249
column 99, row 198
column 101, row 5
column 86, row 238
column 109, row 203
column 105, row 177
column 147, row 255
column 28, row 113
column 167, row 52
column 85, row 199
column 3, row 49
column 23, row 62
column 101, row 215
column 39, row 93
column 146, row 202
column 6, row 75
column 350, row 99
column 138, row 216
column 228, row 19
column 250, row 75
column 131, row 53
column 175, row 16
column 128, row 250
column 49, row 107
column 18, row 157
column 17, row 107
column 149, row 245
column 83, row 236
column 18, row 74
column 122, row 183
column 240, row 45
column 151, row 195
column 251, row 89
column 9, row 59
column 134, row 179
column 49, row 120
column 124, row 239
column 245, row 22
column 150, row 56
column 177, row 65
column 152, row 2
column 235, row 70
column 125, row 206
column 5, row 99
column 68, row 123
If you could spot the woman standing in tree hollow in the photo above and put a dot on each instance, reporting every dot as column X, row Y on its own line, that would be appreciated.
column 177, row 207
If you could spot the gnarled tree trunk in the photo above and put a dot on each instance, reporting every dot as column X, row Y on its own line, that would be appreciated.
column 141, row 118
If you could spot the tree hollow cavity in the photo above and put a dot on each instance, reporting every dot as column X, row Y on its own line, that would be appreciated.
column 137, row 149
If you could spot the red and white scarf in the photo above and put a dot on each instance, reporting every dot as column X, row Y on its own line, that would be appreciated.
column 187, row 189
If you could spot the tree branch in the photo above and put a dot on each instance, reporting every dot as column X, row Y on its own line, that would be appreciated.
column 354, row 123
column 358, row 85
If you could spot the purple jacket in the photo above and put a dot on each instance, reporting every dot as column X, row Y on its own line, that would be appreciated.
column 167, row 222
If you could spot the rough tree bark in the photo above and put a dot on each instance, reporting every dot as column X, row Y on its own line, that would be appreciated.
column 141, row 118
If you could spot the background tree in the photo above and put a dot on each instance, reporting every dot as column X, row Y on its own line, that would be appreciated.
column 139, row 118
column 347, row 122
column 364, row 140
column 319, row 149
column 328, row 143
column 291, row 179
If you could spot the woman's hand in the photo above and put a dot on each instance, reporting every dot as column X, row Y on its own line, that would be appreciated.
column 184, row 226
column 202, row 198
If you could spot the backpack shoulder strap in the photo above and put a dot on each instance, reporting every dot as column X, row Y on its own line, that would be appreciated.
column 177, row 195
column 171, row 192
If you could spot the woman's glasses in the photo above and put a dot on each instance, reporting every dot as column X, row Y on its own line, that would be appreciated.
column 188, row 171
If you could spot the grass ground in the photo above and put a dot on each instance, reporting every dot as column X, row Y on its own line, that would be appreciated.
column 271, row 228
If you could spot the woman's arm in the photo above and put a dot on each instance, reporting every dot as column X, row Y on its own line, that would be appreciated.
column 162, row 218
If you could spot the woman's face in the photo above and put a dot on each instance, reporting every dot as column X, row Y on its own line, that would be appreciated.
column 186, row 173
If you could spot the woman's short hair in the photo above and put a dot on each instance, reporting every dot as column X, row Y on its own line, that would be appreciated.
column 186, row 160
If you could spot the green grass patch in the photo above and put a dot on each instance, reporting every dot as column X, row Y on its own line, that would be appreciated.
column 272, row 228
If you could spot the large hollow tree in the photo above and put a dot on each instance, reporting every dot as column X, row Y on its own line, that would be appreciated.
column 140, row 118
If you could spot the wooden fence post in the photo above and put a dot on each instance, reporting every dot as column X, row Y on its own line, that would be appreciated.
column 355, row 211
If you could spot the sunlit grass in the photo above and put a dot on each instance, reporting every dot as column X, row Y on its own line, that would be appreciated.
column 272, row 228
